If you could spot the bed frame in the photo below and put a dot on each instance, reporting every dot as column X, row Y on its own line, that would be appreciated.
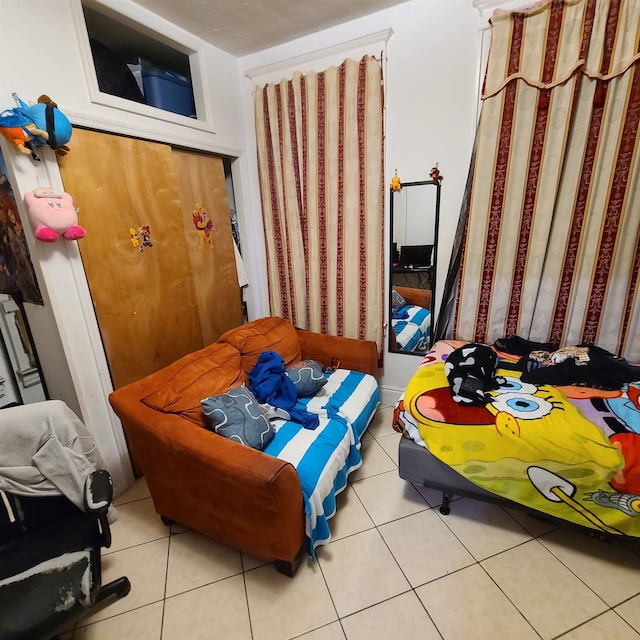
column 417, row 465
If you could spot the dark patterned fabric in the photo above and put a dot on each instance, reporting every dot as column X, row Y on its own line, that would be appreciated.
column 237, row 415
column 471, row 370
column 307, row 376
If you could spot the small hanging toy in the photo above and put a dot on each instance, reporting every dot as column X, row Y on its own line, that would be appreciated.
column 53, row 214
column 435, row 174
column 31, row 126
column 395, row 185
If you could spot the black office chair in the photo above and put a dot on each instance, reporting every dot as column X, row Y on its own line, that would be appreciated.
column 50, row 563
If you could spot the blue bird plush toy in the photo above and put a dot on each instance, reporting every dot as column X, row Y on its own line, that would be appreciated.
column 31, row 126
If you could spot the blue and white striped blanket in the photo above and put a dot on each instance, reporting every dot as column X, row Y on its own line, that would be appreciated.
column 324, row 457
column 413, row 331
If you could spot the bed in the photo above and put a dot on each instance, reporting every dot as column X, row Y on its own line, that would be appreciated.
column 570, row 454
column 411, row 319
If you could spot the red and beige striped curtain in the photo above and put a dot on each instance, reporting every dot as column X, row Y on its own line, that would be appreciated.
column 548, row 246
column 320, row 147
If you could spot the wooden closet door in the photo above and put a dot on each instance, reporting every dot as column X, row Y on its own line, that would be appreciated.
column 143, row 294
column 207, row 224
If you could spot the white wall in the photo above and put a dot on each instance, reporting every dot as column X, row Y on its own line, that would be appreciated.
column 431, row 82
column 49, row 54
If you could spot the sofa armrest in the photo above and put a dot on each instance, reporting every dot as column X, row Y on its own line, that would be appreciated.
column 231, row 492
column 357, row 355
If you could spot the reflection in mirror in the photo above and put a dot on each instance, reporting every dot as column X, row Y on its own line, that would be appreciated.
column 21, row 380
column 414, row 212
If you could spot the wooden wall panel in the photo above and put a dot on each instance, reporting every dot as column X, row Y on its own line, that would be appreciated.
column 144, row 296
column 207, row 225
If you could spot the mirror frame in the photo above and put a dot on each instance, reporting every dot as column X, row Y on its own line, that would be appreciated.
column 434, row 260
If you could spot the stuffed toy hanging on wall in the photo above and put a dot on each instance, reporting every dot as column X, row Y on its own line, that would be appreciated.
column 53, row 214
column 31, row 126
column 395, row 185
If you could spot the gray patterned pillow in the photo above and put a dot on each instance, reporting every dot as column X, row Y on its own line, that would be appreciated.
column 397, row 301
column 238, row 416
column 307, row 376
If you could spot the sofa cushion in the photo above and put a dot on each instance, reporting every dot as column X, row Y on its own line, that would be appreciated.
column 265, row 334
column 307, row 376
column 182, row 385
column 237, row 415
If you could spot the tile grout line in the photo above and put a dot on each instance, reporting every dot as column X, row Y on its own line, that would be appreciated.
column 377, row 528
column 479, row 563
column 504, row 593
column 536, row 538
column 246, row 596
column 333, row 602
column 572, row 571
column 166, row 580
column 413, row 589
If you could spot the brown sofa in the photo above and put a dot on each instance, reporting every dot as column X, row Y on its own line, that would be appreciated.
column 235, row 494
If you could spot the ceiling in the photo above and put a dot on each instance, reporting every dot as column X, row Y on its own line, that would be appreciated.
column 241, row 27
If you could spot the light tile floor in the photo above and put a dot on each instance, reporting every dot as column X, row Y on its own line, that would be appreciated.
column 395, row 569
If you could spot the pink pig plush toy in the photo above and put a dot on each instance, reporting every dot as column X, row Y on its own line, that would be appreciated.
column 53, row 214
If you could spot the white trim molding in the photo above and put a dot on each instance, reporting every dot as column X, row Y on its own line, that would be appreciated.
column 483, row 6
column 379, row 38
column 389, row 396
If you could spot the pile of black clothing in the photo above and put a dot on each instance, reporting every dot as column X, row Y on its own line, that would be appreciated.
column 471, row 369
column 581, row 365
column 471, row 372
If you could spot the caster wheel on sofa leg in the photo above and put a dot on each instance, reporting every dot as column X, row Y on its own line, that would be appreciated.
column 445, row 509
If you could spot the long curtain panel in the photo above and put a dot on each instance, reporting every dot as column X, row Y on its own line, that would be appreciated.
column 548, row 247
column 320, row 159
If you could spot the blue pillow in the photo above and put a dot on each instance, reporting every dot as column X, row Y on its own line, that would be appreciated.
column 238, row 416
column 307, row 376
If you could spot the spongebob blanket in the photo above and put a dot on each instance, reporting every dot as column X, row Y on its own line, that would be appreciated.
column 571, row 452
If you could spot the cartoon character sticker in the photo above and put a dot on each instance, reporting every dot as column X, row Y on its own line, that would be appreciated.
column 204, row 225
column 140, row 237
column 135, row 238
column 145, row 233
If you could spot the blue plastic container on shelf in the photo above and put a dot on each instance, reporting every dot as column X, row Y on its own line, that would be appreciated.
column 168, row 91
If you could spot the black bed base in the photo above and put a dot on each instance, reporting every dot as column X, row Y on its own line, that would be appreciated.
column 417, row 465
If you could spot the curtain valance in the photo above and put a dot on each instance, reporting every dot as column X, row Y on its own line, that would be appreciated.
column 550, row 42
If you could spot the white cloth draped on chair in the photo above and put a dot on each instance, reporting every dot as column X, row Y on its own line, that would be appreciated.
column 320, row 151
column 548, row 246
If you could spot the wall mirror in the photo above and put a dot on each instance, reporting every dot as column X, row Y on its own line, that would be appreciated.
column 414, row 212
